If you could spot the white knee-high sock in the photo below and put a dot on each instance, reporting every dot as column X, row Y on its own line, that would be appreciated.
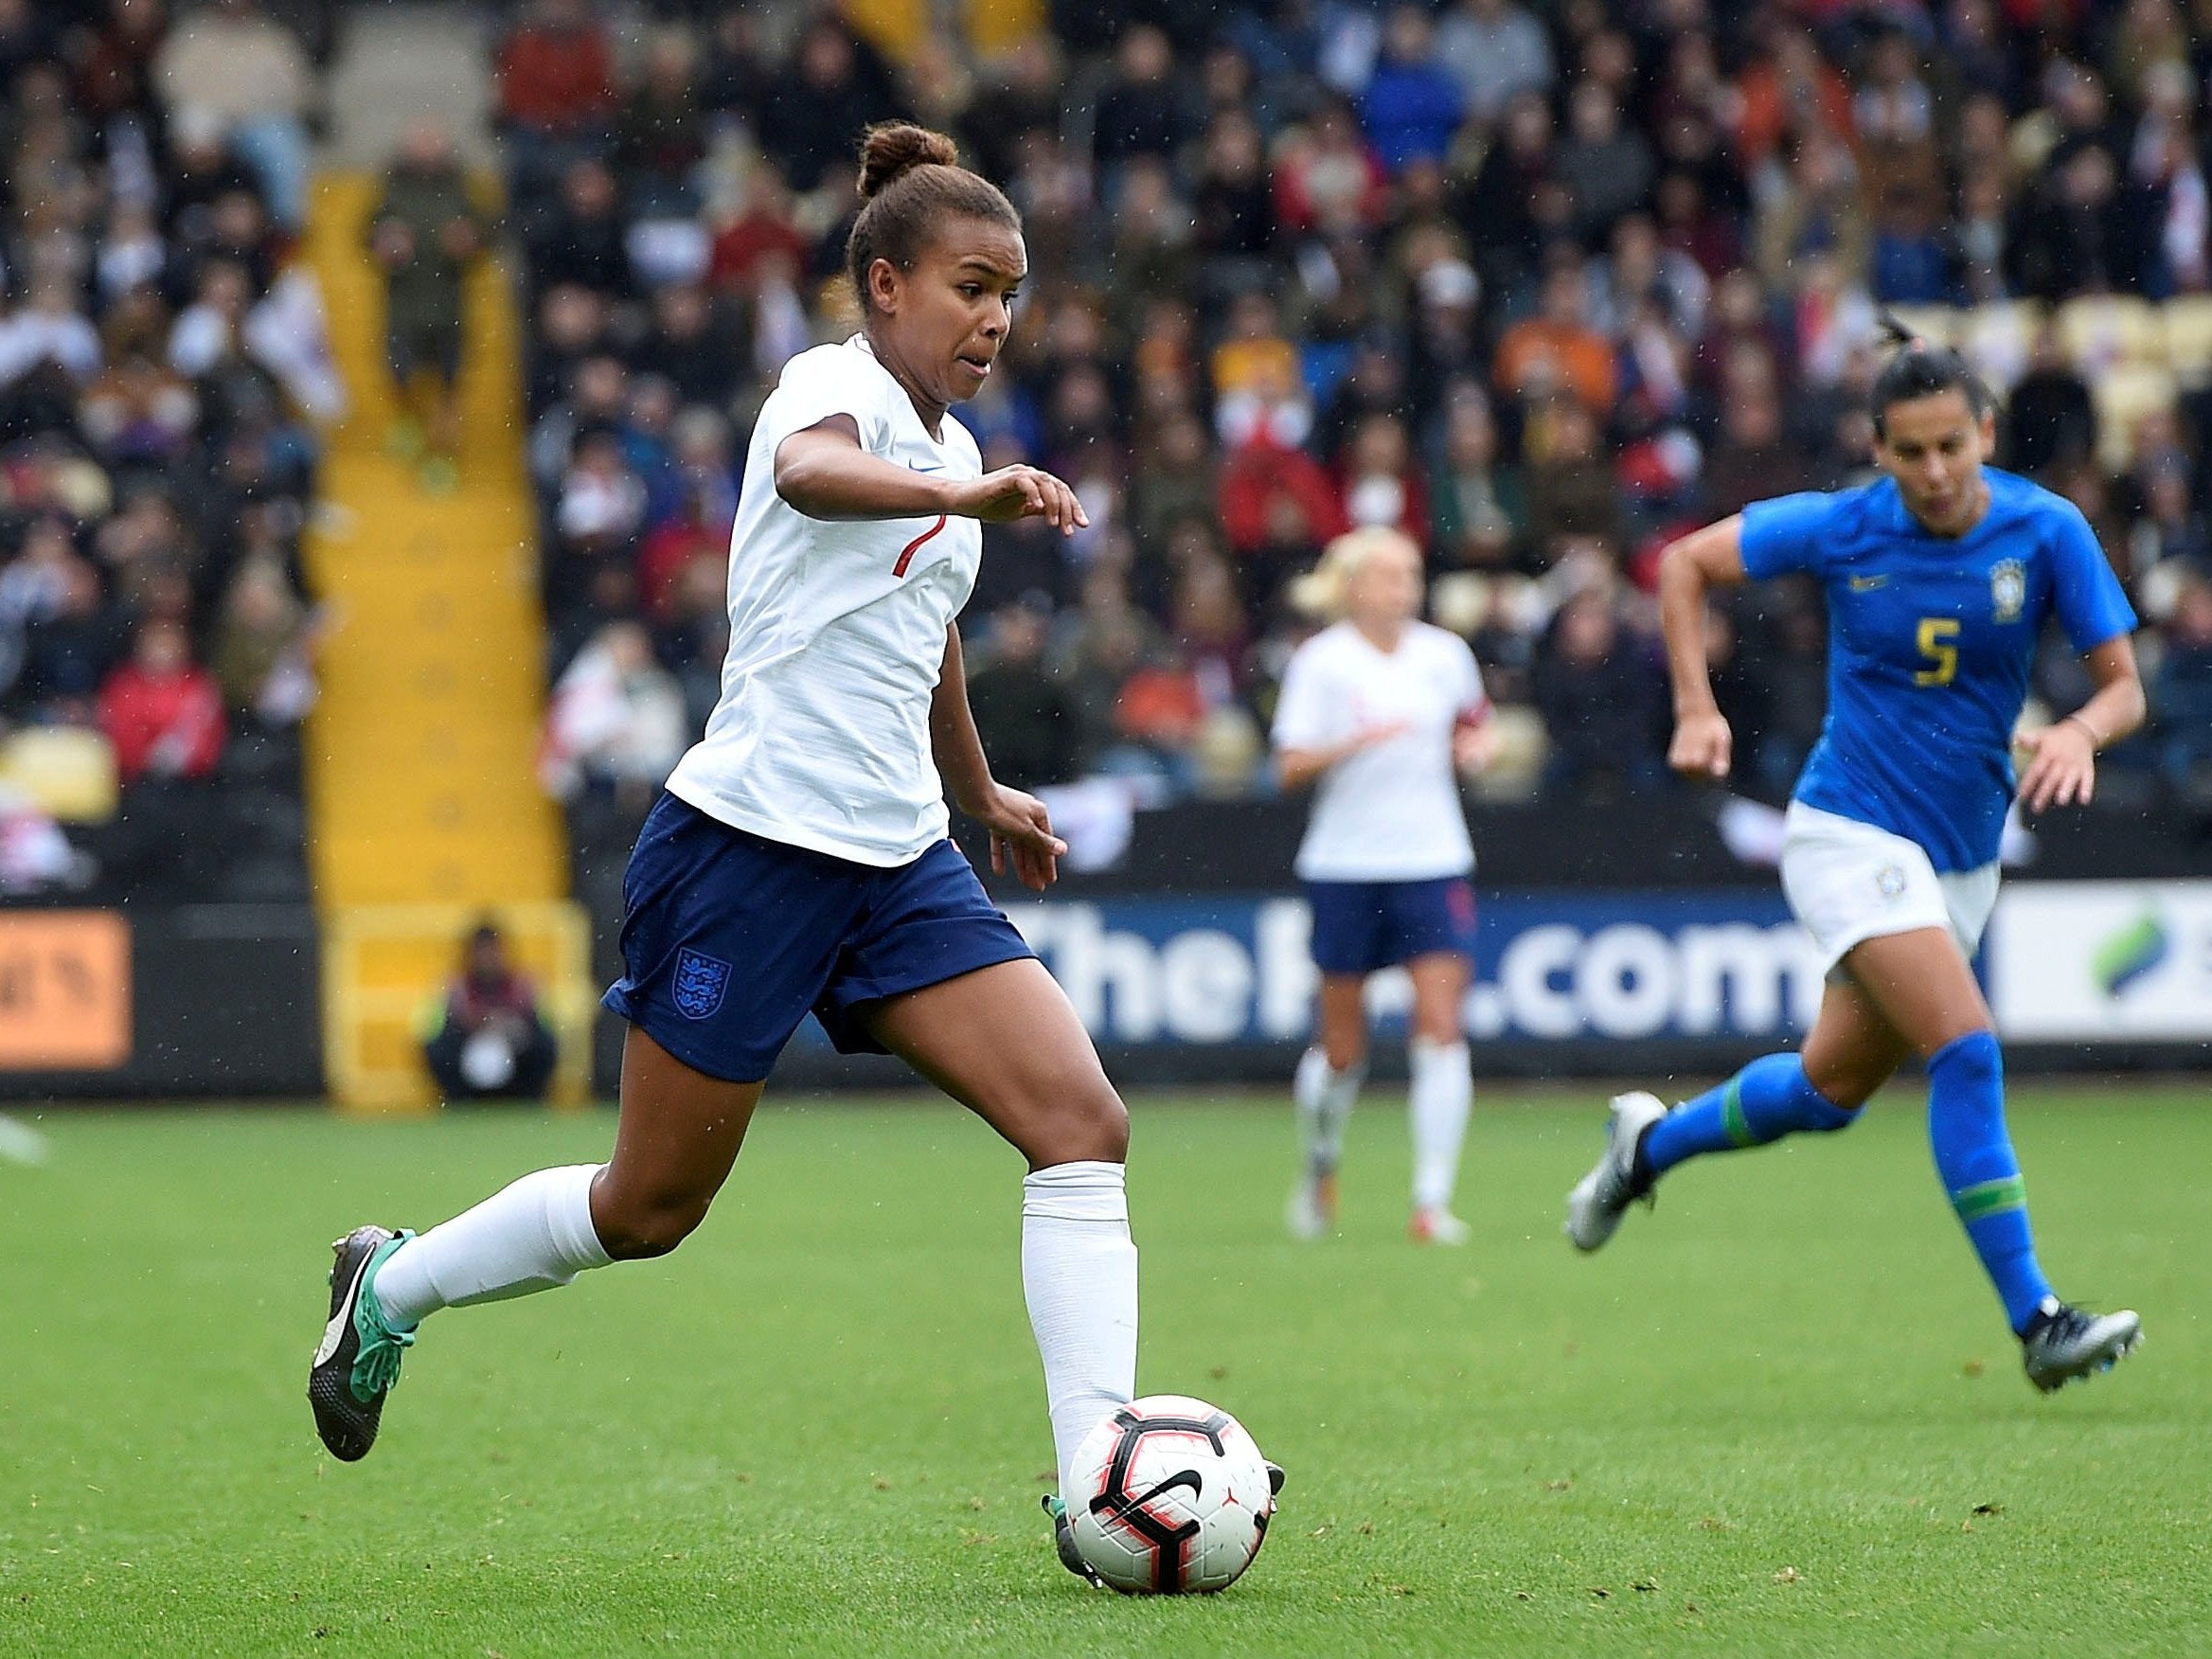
column 1079, row 1275
column 528, row 1237
column 1443, row 1090
column 1324, row 1098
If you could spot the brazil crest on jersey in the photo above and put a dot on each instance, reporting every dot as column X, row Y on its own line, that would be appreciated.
column 1930, row 643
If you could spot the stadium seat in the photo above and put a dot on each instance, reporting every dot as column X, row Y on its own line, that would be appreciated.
column 67, row 771
column 2124, row 395
column 1998, row 338
column 2100, row 331
column 1516, row 771
column 2188, row 339
column 1939, row 325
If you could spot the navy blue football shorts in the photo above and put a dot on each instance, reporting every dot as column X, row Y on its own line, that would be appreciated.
column 1361, row 926
column 729, row 941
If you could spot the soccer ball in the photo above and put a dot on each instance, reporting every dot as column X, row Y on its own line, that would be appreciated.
column 1169, row 1497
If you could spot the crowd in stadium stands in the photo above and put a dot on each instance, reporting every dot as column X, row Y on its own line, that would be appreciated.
column 162, row 373
column 1540, row 288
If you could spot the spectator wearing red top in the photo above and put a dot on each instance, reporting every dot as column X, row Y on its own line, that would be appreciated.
column 486, row 1039
column 1258, row 472
column 163, row 717
column 556, row 74
column 161, row 712
column 761, row 232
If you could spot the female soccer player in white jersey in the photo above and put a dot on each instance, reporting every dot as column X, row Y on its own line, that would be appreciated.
column 1939, row 579
column 1377, row 711
column 798, row 860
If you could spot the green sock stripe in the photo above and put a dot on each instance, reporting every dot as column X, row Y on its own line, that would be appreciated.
column 1733, row 1123
column 1990, row 1197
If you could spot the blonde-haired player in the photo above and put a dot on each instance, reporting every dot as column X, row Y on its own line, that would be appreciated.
column 1379, row 711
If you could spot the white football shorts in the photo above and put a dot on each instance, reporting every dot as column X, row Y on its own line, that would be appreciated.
column 1849, row 882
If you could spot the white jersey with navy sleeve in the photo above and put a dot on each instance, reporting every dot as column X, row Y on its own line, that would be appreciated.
column 1391, row 811
column 1930, row 643
column 837, row 634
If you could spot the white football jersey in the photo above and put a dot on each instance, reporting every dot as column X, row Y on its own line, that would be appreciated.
column 837, row 634
column 1391, row 811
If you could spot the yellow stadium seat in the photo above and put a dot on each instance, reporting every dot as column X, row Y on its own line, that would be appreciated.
column 2124, row 395
column 67, row 771
column 1998, row 338
column 1939, row 325
column 1516, row 771
column 2100, row 331
column 2188, row 338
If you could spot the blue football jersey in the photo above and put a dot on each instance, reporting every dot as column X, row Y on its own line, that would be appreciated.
column 1930, row 643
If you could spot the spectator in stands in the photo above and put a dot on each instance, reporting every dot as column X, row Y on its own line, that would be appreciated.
column 1600, row 692
column 2181, row 698
column 835, row 87
column 616, row 725
column 230, row 60
column 161, row 712
column 1495, row 50
column 71, row 640
column 1145, row 109
column 1558, row 350
column 556, row 76
column 265, row 645
column 1477, row 505
column 580, row 238
column 1607, row 169
column 1572, row 492
column 1029, row 723
column 2048, row 418
column 426, row 233
column 485, row 1038
column 1412, row 106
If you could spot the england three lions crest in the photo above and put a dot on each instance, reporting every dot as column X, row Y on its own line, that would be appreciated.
column 701, row 980
column 2007, row 590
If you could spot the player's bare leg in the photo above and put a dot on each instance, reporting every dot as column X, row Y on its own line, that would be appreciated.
column 1004, row 1043
column 1922, row 983
column 1325, row 1089
column 679, row 1133
column 1441, row 1092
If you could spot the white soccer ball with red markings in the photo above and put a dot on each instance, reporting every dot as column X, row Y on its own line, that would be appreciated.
column 1169, row 1497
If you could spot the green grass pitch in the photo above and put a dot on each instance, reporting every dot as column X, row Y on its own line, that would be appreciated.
column 1779, row 1415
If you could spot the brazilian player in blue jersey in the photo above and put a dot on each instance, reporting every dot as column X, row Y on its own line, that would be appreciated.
column 1939, row 577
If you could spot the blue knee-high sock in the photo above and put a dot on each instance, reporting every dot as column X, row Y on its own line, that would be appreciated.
column 1973, row 1155
column 1767, row 1100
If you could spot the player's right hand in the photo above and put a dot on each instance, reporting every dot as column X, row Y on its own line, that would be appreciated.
column 1020, row 492
column 1701, row 745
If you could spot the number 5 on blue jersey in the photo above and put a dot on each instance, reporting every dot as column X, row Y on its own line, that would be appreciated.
column 1937, row 639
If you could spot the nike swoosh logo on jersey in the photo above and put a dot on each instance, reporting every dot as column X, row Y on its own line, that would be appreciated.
column 1866, row 584
column 334, row 1332
column 912, row 468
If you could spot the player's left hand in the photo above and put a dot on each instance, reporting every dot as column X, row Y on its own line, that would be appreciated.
column 1021, row 836
column 2061, row 768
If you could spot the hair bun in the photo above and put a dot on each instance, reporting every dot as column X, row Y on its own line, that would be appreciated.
column 890, row 148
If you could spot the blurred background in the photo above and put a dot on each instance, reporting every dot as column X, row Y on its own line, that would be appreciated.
column 375, row 381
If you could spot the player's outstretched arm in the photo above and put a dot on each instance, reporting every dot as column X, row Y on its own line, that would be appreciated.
column 1021, row 829
column 825, row 473
column 1691, row 568
column 2062, row 769
column 1297, row 767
